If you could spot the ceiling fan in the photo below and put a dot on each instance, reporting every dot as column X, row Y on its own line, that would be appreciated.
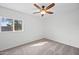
column 43, row 9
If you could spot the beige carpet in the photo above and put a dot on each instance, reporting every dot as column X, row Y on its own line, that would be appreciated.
column 42, row 47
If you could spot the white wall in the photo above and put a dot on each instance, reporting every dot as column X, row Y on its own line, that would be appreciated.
column 63, row 26
column 31, row 25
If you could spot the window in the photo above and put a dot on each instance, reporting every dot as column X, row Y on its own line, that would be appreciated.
column 17, row 25
column 8, row 24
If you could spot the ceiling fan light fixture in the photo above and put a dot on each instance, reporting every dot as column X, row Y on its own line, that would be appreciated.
column 43, row 12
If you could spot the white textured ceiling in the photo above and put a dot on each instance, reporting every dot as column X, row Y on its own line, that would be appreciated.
column 28, row 8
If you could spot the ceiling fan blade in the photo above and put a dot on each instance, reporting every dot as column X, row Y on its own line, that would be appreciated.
column 36, row 12
column 50, row 6
column 49, row 12
column 37, row 6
